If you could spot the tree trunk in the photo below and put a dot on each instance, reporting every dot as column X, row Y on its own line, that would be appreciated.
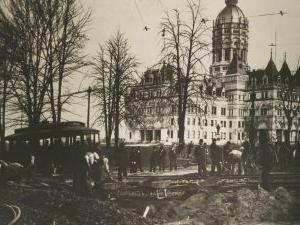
column 117, row 116
column 181, row 129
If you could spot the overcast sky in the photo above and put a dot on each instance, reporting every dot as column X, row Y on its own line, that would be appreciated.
column 110, row 15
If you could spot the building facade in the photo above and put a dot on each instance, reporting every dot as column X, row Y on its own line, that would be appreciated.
column 222, row 109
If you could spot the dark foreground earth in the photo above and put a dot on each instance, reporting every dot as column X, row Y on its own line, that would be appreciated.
column 212, row 206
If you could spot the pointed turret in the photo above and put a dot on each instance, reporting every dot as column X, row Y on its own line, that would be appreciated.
column 285, row 71
column 297, row 77
column 236, row 66
column 271, row 70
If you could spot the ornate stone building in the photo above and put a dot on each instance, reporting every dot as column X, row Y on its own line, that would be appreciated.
column 226, row 91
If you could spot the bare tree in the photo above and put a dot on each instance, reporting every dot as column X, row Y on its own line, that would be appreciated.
column 185, row 47
column 104, row 92
column 7, row 57
column 115, row 69
column 65, row 40
column 49, row 36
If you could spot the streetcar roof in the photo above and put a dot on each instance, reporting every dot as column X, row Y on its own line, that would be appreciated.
column 52, row 130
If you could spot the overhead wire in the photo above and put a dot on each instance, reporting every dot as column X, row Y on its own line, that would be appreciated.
column 140, row 14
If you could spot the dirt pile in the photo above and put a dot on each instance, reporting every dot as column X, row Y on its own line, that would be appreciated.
column 232, row 208
column 41, row 207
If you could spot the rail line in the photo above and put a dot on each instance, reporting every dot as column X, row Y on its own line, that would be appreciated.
column 10, row 216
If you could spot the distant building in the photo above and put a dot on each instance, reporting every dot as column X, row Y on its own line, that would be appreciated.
column 275, row 91
column 225, row 113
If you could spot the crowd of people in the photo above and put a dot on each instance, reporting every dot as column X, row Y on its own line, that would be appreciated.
column 87, row 161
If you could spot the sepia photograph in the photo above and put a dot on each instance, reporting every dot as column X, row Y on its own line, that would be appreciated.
column 149, row 112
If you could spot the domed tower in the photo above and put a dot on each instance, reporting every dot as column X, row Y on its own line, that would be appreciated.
column 230, row 38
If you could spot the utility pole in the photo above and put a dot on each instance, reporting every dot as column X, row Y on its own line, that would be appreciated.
column 89, row 90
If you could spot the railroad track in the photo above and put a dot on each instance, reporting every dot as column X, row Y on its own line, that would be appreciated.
column 289, row 180
column 10, row 214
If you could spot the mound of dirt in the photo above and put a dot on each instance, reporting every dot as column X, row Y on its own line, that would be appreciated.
column 240, row 207
column 41, row 207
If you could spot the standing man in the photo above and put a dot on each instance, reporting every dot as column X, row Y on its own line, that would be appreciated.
column 173, row 157
column 265, row 152
column 246, row 156
column 200, row 154
column 138, row 159
column 226, row 150
column 190, row 148
column 162, row 158
column 216, row 155
column 122, row 160
column 154, row 159
column 80, row 170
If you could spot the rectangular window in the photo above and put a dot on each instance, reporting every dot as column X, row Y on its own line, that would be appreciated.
column 188, row 134
column 230, row 124
column 239, row 124
column 199, row 121
column 243, row 124
column 172, row 121
column 224, row 123
column 212, row 123
column 205, row 135
column 205, row 123
column 205, row 109
column 171, row 134
column 264, row 112
column 230, row 136
column 227, row 54
column 223, row 111
column 214, row 110
column 194, row 121
column 239, row 136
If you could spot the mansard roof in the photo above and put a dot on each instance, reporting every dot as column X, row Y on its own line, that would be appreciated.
column 156, row 76
column 236, row 66
column 271, row 70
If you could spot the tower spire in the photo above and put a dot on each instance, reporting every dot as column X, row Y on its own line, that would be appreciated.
column 231, row 2
column 285, row 56
column 271, row 53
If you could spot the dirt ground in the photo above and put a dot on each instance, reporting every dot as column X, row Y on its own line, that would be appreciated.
column 41, row 207
column 204, row 204
column 212, row 207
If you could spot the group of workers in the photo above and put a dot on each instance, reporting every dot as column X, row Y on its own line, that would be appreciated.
column 87, row 161
column 159, row 155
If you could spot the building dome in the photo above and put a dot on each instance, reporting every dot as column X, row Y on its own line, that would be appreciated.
column 231, row 13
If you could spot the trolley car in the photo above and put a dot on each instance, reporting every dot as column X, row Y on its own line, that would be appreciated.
column 51, row 144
